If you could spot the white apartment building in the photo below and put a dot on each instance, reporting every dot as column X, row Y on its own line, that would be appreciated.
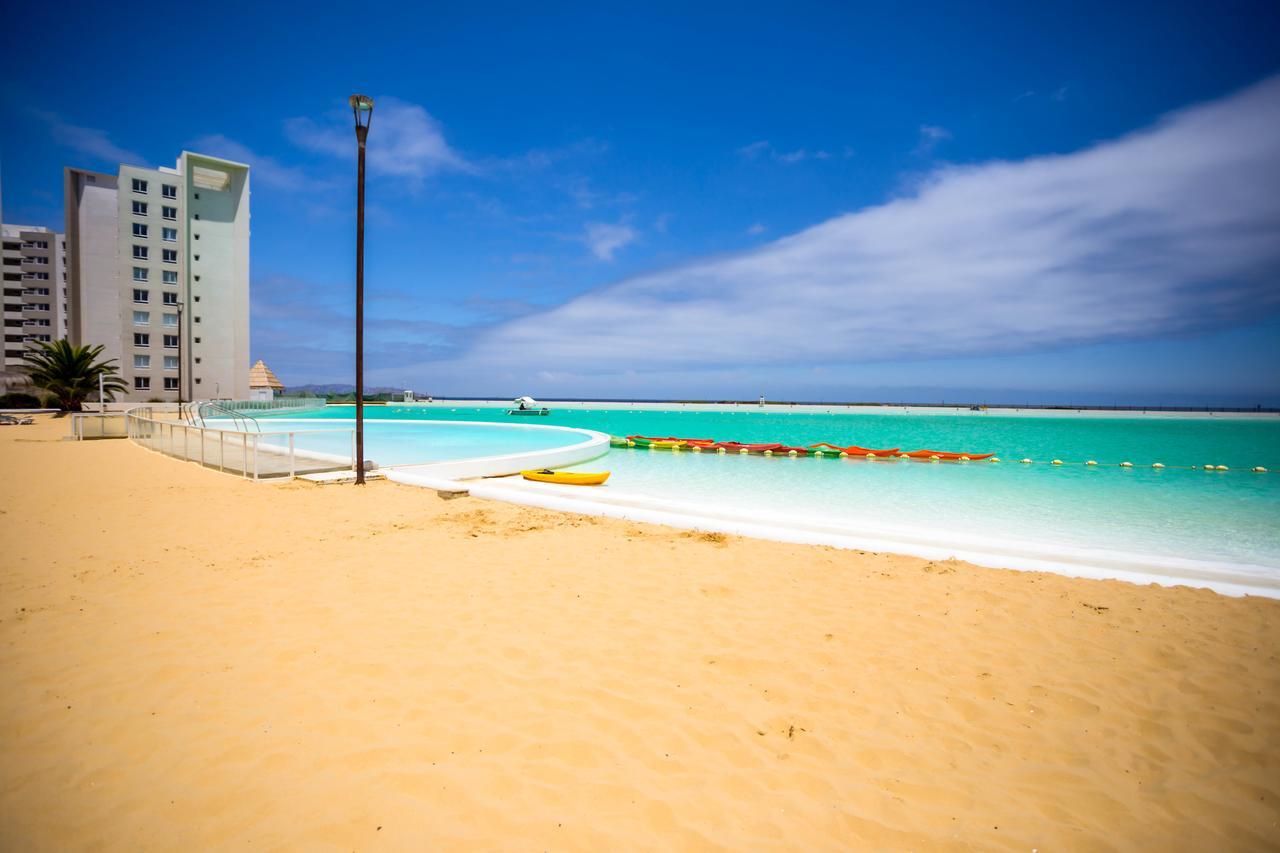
column 35, row 296
column 158, row 273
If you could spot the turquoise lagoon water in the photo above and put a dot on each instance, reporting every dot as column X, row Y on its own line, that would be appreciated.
column 1220, row 520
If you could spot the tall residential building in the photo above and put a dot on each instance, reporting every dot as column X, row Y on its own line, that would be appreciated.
column 35, row 295
column 158, row 272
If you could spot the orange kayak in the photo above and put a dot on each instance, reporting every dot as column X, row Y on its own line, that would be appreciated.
column 855, row 450
column 946, row 455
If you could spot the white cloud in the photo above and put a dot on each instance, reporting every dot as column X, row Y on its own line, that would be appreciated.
column 757, row 228
column 264, row 169
column 763, row 148
column 604, row 238
column 930, row 136
column 404, row 140
column 1170, row 230
column 88, row 141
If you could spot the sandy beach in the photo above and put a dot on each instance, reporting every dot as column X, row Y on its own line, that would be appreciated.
column 192, row 661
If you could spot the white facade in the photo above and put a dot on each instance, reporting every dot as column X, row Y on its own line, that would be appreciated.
column 158, row 267
column 35, row 295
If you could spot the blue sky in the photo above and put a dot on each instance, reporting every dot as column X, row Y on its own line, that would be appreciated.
column 835, row 201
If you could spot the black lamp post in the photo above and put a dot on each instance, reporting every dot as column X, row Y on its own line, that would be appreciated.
column 362, row 109
column 180, row 370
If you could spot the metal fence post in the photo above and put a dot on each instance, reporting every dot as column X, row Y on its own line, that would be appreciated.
column 256, row 439
column 222, row 451
column 244, row 454
column 292, row 462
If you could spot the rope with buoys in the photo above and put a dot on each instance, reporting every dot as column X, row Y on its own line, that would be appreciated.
column 677, row 446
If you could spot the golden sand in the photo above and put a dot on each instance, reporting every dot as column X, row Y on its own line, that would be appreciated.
column 191, row 661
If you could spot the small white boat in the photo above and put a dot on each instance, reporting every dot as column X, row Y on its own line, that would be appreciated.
column 528, row 406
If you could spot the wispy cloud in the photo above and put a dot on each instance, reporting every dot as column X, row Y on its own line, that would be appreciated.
column 265, row 169
column 930, row 136
column 1171, row 230
column 765, row 150
column 757, row 228
column 87, row 141
column 604, row 239
column 404, row 140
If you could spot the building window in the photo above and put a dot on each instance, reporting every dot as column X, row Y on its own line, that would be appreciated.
column 197, row 340
column 169, row 212
column 140, row 229
column 170, row 341
column 141, row 340
column 171, row 383
column 171, row 319
column 140, row 252
column 139, row 186
column 169, row 276
column 141, row 295
column 168, row 190
column 170, row 298
column 197, row 216
column 139, row 273
column 197, row 278
column 142, row 362
column 170, row 256
column 197, row 236
column 197, row 359
column 197, row 257
column 142, row 383
column 170, row 235
column 197, row 319
column 140, row 208
column 141, row 318
column 197, row 299
column 170, row 362
column 197, row 380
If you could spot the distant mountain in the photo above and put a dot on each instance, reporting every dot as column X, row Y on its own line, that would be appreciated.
column 340, row 388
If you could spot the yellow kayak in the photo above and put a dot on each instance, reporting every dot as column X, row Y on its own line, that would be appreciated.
column 571, row 478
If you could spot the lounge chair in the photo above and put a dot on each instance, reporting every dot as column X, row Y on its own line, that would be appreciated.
column 10, row 420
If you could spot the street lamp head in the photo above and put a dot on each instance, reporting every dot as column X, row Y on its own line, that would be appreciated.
column 362, row 109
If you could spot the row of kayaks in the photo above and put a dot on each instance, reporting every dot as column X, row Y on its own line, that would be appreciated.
column 822, row 449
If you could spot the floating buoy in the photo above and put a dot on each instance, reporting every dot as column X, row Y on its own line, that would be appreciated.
column 903, row 456
column 1025, row 461
column 720, row 450
column 964, row 458
column 1056, row 462
column 1091, row 462
column 817, row 454
column 844, row 455
column 696, row 449
column 768, row 453
column 994, row 459
column 1126, row 464
column 1208, row 468
column 630, row 443
column 934, row 458
column 1157, row 465
column 743, row 451
column 1259, row 470
column 791, row 453
column 1223, row 468
column 871, row 456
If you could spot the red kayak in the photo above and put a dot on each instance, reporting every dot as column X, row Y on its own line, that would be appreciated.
column 855, row 450
column 945, row 455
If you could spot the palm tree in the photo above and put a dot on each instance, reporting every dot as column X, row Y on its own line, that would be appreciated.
column 71, row 373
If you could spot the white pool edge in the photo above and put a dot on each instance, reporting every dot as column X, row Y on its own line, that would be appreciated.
column 685, row 517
